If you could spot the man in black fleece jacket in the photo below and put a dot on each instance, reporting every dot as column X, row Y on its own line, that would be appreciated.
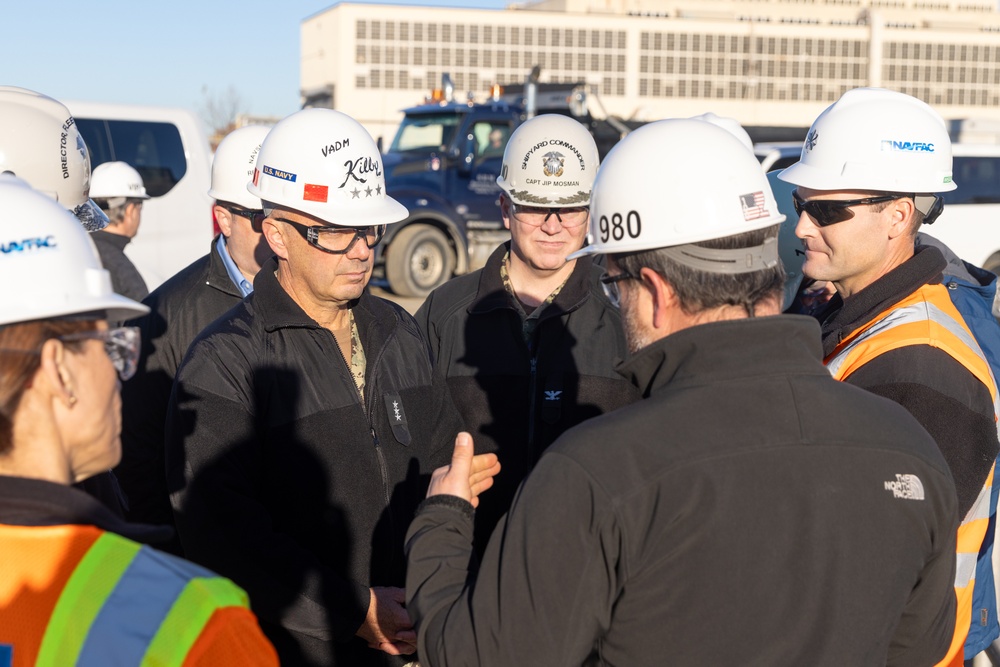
column 748, row 510
column 304, row 423
column 529, row 343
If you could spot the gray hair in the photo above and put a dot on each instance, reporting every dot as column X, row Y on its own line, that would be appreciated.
column 699, row 290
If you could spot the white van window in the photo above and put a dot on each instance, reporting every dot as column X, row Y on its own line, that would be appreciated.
column 154, row 149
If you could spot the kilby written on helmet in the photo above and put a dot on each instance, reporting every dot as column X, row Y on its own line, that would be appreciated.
column 233, row 165
column 324, row 163
column 39, row 142
column 116, row 179
column 875, row 139
column 53, row 262
column 677, row 182
column 550, row 160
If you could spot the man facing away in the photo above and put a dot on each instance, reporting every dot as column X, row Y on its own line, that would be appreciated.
column 304, row 424
column 119, row 191
column 179, row 309
column 748, row 510
column 872, row 167
column 529, row 343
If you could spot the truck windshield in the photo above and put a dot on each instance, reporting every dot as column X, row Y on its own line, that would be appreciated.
column 425, row 133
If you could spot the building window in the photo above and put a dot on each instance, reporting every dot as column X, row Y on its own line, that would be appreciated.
column 404, row 31
column 360, row 56
column 418, row 32
column 361, row 30
column 390, row 31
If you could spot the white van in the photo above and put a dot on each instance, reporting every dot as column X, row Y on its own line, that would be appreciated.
column 169, row 148
column 970, row 224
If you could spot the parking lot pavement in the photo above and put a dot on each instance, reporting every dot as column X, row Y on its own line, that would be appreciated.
column 409, row 303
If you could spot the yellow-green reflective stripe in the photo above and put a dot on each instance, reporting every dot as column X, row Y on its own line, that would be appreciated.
column 187, row 618
column 93, row 580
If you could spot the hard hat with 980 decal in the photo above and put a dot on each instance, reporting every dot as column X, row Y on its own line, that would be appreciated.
column 679, row 182
column 52, row 260
column 233, row 165
column 549, row 161
column 323, row 163
column 875, row 139
column 39, row 142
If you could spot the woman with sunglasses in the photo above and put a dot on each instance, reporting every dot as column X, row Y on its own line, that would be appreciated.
column 77, row 585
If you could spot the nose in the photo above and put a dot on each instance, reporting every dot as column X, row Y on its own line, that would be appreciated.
column 359, row 250
column 805, row 227
column 552, row 224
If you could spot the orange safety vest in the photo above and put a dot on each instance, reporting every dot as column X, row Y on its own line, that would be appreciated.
column 928, row 317
column 78, row 595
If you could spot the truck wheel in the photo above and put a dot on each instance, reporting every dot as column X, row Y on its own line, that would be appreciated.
column 418, row 260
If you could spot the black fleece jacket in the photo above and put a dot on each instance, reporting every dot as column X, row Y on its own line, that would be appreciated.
column 750, row 510
column 179, row 309
column 516, row 401
column 949, row 401
column 284, row 482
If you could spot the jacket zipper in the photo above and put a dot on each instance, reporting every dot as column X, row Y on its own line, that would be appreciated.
column 369, row 416
column 534, row 399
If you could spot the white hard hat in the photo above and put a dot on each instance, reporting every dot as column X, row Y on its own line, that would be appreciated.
column 875, row 139
column 116, row 179
column 551, row 161
column 233, row 165
column 49, row 263
column 731, row 125
column 677, row 182
column 789, row 245
column 39, row 142
column 324, row 163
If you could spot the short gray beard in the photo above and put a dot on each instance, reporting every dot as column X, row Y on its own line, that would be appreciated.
column 636, row 337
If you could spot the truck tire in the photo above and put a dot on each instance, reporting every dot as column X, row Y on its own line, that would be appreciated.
column 419, row 259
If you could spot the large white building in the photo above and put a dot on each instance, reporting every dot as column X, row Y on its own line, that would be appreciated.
column 763, row 62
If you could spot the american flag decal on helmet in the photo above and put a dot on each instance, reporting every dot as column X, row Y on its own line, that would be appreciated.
column 753, row 205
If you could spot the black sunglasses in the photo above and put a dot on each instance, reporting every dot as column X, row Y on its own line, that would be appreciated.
column 255, row 216
column 831, row 211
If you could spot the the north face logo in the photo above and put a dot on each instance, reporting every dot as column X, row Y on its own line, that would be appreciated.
column 908, row 487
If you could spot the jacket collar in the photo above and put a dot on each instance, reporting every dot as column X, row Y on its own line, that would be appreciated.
column 492, row 295
column 217, row 276
column 117, row 240
column 278, row 310
column 729, row 350
column 842, row 317
column 36, row 502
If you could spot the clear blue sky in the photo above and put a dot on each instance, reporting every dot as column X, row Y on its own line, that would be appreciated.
column 165, row 52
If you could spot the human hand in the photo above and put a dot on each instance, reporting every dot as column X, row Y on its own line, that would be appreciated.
column 387, row 626
column 468, row 475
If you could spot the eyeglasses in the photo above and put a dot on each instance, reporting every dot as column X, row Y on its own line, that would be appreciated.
column 338, row 240
column 121, row 345
column 536, row 216
column 610, row 285
column 255, row 216
column 831, row 211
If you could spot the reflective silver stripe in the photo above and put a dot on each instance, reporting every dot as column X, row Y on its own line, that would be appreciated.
column 981, row 508
column 917, row 313
column 965, row 569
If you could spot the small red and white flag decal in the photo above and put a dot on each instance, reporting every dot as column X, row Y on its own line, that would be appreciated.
column 318, row 193
column 256, row 177
column 753, row 205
